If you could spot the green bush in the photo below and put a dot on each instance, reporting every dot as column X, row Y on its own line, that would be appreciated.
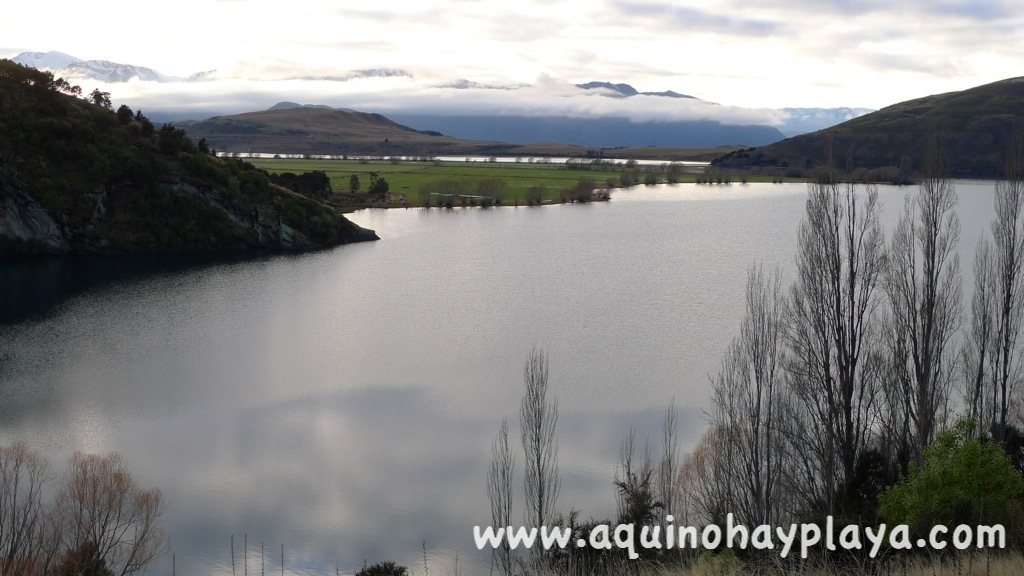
column 961, row 481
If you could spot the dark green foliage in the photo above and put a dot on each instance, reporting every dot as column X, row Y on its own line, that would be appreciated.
column 125, row 114
column 636, row 492
column 378, row 186
column 583, row 190
column 62, row 85
column 962, row 481
column 313, row 184
column 353, row 184
column 13, row 73
column 101, row 98
column 1013, row 445
column 173, row 140
column 872, row 474
column 388, row 568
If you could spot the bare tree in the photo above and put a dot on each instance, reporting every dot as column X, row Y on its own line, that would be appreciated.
column 979, row 339
column 923, row 283
column 997, row 310
column 761, row 340
column 107, row 520
column 668, row 468
column 724, row 440
column 745, row 401
column 538, row 416
column 1008, row 244
column 705, row 486
column 24, row 548
column 833, row 335
column 499, row 490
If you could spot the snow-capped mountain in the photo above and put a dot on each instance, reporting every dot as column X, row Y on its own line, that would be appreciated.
column 46, row 60
column 803, row 120
column 75, row 69
column 625, row 90
column 794, row 120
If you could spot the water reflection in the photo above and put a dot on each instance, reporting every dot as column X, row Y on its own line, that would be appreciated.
column 33, row 287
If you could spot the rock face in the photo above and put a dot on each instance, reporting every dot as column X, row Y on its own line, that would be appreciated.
column 24, row 220
column 28, row 228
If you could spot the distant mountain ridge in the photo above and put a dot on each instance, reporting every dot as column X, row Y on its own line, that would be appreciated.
column 76, row 69
column 803, row 120
column 974, row 125
column 601, row 132
column 625, row 90
column 73, row 68
column 350, row 129
column 291, row 128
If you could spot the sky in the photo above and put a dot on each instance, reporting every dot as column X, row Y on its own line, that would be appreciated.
column 747, row 55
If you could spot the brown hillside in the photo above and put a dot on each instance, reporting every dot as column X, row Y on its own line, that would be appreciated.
column 974, row 126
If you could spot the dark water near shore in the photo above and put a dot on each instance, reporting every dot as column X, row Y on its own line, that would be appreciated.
column 342, row 403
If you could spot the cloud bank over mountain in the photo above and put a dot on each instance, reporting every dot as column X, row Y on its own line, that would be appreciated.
column 380, row 90
column 395, row 90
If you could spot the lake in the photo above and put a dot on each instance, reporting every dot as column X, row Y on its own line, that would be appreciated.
column 342, row 403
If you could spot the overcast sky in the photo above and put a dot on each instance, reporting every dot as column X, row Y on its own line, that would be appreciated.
column 742, row 53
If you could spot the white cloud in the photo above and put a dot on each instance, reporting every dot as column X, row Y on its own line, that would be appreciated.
column 741, row 52
column 546, row 96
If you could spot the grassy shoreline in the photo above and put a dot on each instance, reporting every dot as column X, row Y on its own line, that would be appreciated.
column 419, row 183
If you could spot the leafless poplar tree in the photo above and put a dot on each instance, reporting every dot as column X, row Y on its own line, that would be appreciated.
column 923, row 283
column 832, row 334
column 499, row 490
column 745, row 401
column 979, row 339
column 668, row 468
column 107, row 520
column 997, row 310
column 538, row 416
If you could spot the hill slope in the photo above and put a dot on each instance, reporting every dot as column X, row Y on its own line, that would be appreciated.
column 974, row 125
column 77, row 177
column 289, row 128
column 316, row 130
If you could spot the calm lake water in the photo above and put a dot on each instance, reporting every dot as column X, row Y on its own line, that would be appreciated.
column 343, row 403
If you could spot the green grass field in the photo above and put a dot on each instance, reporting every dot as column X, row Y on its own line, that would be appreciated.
column 410, row 181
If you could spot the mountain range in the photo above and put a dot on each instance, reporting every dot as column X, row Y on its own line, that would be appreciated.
column 600, row 132
column 75, row 69
column 604, row 130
